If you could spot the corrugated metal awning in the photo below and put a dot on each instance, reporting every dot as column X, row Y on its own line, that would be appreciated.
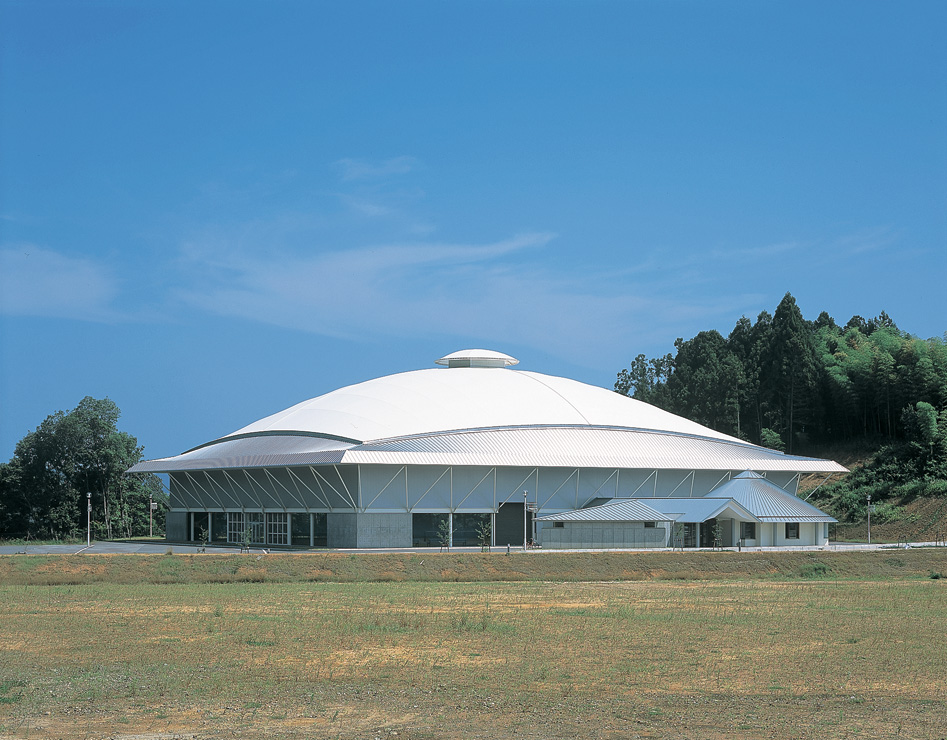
column 616, row 510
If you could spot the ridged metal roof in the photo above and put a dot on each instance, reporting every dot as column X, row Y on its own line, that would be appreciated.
column 251, row 452
column 698, row 509
column 765, row 503
column 489, row 416
column 582, row 446
column 616, row 510
column 570, row 446
column 769, row 502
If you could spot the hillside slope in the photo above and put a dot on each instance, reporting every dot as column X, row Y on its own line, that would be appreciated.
column 907, row 518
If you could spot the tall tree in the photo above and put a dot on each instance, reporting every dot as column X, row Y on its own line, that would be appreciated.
column 43, row 488
column 644, row 379
column 791, row 367
column 706, row 382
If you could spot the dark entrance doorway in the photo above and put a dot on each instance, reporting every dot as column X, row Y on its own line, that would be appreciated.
column 707, row 531
column 509, row 524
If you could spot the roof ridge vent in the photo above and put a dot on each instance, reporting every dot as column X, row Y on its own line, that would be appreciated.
column 477, row 358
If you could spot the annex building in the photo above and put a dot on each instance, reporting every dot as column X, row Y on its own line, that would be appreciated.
column 402, row 459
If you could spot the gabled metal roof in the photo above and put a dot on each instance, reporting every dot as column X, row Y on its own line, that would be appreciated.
column 616, row 510
column 769, row 502
column 700, row 509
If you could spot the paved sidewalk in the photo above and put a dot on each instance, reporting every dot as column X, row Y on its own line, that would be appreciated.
column 152, row 548
column 110, row 548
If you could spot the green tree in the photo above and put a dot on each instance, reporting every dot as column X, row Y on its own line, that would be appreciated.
column 706, row 382
column 43, row 488
column 921, row 427
column 644, row 379
column 792, row 368
column 771, row 439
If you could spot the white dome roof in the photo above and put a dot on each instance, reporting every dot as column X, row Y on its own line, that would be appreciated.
column 459, row 398
column 478, row 412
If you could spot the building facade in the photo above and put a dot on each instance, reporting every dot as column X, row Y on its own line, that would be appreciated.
column 415, row 458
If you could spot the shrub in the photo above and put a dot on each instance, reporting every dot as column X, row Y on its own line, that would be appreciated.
column 814, row 570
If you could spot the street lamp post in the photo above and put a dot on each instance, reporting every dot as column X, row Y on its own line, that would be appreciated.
column 525, row 508
column 869, row 518
column 151, row 516
column 88, row 524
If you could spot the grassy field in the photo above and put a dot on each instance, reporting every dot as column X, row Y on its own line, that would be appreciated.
column 843, row 646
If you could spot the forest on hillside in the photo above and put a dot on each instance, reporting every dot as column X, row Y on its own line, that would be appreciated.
column 796, row 385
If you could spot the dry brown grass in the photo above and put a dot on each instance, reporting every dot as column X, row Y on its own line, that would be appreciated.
column 332, row 567
column 747, row 659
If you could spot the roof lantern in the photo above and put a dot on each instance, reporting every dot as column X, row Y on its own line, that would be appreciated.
column 477, row 358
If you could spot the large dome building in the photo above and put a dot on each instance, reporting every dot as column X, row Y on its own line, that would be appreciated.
column 397, row 461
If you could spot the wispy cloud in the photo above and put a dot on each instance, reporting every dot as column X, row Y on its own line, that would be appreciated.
column 866, row 241
column 404, row 289
column 42, row 282
column 364, row 169
column 502, row 292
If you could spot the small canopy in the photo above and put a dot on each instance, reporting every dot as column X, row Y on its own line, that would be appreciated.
column 701, row 509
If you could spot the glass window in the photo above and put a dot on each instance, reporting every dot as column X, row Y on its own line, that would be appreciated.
column 792, row 530
column 277, row 528
column 650, row 525
column 218, row 522
column 559, row 525
column 299, row 525
column 320, row 530
column 428, row 529
column 254, row 522
column 468, row 529
column 747, row 530
column 200, row 524
column 235, row 526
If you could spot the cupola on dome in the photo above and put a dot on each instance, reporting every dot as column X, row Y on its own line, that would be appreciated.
column 477, row 358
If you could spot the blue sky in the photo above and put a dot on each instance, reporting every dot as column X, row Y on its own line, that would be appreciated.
column 210, row 211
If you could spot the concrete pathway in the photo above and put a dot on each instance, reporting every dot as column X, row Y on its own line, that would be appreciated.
column 110, row 548
column 152, row 548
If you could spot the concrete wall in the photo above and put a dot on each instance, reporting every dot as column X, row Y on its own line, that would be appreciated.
column 342, row 529
column 384, row 530
column 810, row 533
column 347, row 530
column 773, row 534
column 602, row 536
column 176, row 526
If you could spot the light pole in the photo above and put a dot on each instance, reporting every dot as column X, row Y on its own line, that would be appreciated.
column 88, row 523
column 151, row 511
column 869, row 518
column 525, row 507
